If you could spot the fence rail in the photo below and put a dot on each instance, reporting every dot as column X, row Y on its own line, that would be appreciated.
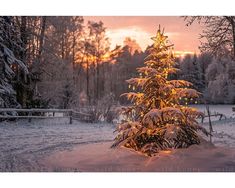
column 213, row 115
column 35, row 113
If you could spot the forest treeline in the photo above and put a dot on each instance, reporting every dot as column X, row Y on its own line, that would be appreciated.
column 63, row 62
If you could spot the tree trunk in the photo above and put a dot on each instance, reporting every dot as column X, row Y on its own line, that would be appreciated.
column 73, row 58
column 39, row 54
column 97, row 80
column 233, row 33
column 230, row 19
column 41, row 39
column 62, row 47
column 22, row 90
column 87, row 82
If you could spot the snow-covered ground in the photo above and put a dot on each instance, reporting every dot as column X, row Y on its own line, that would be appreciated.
column 22, row 144
column 222, row 109
column 224, row 130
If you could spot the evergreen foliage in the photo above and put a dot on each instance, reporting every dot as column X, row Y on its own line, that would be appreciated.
column 9, row 64
column 159, row 117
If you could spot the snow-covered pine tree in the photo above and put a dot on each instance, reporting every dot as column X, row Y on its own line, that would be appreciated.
column 8, row 62
column 159, row 117
column 190, row 71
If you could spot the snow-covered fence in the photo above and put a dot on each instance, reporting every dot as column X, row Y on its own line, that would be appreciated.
column 221, row 116
column 81, row 116
column 43, row 113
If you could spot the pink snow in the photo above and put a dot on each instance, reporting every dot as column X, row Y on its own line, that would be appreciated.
column 101, row 158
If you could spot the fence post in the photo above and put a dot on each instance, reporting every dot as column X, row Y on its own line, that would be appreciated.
column 70, row 117
column 202, row 119
column 30, row 114
column 210, row 124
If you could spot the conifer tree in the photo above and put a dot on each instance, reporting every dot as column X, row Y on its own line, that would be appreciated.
column 9, row 64
column 191, row 71
column 159, row 118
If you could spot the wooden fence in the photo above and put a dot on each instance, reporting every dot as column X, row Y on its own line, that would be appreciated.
column 221, row 116
column 39, row 113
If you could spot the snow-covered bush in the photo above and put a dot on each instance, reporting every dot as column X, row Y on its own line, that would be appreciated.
column 102, row 111
column 220, row 76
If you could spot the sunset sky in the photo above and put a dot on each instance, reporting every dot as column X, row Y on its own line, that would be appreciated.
column 141, row 28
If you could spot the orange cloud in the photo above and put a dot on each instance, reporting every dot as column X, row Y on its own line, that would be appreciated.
column 142, row 28
column 117, row 36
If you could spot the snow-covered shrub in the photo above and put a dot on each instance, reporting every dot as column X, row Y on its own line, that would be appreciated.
column 102, row 111
column 220, row 76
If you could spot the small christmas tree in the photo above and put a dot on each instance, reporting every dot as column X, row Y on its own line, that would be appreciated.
column 159, row 118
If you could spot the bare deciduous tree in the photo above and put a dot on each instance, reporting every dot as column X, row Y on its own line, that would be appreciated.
column 219, row 33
